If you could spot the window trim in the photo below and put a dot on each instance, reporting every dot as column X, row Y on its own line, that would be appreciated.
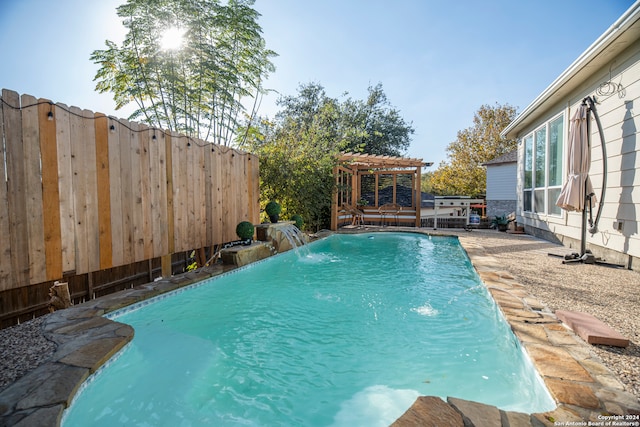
column 532, row 209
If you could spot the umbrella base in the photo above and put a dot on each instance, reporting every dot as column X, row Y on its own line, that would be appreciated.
column 586, row 258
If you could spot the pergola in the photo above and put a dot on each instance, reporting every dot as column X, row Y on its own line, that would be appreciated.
column 389, row 187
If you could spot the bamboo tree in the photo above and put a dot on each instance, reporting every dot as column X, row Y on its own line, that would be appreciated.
column 198, row 89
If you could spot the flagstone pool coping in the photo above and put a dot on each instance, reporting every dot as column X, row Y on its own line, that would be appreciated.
column 584, row 389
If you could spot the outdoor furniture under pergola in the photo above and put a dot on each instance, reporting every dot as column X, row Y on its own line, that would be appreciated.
column 370, row 184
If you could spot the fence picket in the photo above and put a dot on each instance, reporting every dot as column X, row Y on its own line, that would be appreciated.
column 126, row 167
column 104, row 190
column 145, row 192
column 65, row 188
column 50, row 190
column 16, row 189
column 33, row 189
column 5, row 246
column 115, row 194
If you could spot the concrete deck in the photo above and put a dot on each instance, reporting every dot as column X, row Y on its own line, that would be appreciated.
column 584, row 388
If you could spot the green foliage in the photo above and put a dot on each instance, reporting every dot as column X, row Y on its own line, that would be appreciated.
column 425, row 182
column 298, row 220
column 198, row 89
column 464, row 173
column 298, row 150
column 245, row 230
column 273, row 208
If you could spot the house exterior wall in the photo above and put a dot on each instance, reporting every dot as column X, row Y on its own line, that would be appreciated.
column 616, row 89
column 501, row 189
column 501, row 182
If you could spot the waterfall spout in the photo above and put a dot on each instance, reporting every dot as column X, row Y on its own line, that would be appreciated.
column 283, row 236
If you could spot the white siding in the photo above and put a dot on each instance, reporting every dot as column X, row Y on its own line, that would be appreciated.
column 501, row 182
column 620, row 124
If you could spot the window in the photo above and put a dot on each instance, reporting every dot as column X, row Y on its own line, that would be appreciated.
column 543, row 168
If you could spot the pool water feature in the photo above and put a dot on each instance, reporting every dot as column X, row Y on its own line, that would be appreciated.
column 349, row 333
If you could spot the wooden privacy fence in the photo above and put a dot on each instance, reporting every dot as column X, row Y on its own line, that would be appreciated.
column 81, row 192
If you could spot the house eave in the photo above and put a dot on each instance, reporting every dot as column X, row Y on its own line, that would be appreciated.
column 618, row 37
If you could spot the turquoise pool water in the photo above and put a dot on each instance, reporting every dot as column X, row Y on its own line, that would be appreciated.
column 347, row 331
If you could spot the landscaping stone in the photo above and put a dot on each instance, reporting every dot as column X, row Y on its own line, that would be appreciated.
column 476, row 414
column 430, row 411
column 244, row 255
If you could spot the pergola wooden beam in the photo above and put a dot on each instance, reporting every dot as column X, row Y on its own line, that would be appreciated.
column 364, row 161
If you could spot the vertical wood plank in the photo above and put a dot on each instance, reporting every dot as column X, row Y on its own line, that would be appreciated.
column 145, row 192
column 202, row 203
column 5, row 247
column 166, row 259
column 50, row 190
column 178, row 192
column 255, row 184
column 227, row 196
column 33, row 189
column 169, row 193
column 155, row 165
column 127, row 191
column 191, row 185
column 91, row 197
column 136, row 186
column 208, row 193
column 217, row 196
column 65, row 188
column 115, row 193
column 80, row 185
column 183, row 180
column 16, row 186
column 103, row 187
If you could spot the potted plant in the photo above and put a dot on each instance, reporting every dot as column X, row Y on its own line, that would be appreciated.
column 362, row 203
column 500, row 222
column 273, row 210
column 245, row 230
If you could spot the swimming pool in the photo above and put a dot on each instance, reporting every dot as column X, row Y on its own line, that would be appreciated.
column 347, row 331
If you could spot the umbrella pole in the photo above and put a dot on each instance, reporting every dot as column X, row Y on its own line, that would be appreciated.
column 587, row 199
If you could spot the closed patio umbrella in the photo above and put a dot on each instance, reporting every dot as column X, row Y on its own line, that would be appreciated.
column 578, row 185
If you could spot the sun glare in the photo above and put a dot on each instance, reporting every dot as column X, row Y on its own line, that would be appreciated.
column 172, row 39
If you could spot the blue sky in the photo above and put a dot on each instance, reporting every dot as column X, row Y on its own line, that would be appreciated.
column 438, row 61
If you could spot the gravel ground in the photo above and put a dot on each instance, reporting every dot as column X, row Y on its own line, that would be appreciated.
column 610, row 294
column 24, row 348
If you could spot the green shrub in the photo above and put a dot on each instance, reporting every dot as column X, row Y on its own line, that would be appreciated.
column 298, row 220
column 244, row 230
column 273, row 208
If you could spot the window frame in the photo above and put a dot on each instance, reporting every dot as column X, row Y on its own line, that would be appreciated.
column 538, row 199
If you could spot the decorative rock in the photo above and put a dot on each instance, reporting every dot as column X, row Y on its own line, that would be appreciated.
column 244, row 255
column 476, row 414
column 429, row 411
column 515, row 419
